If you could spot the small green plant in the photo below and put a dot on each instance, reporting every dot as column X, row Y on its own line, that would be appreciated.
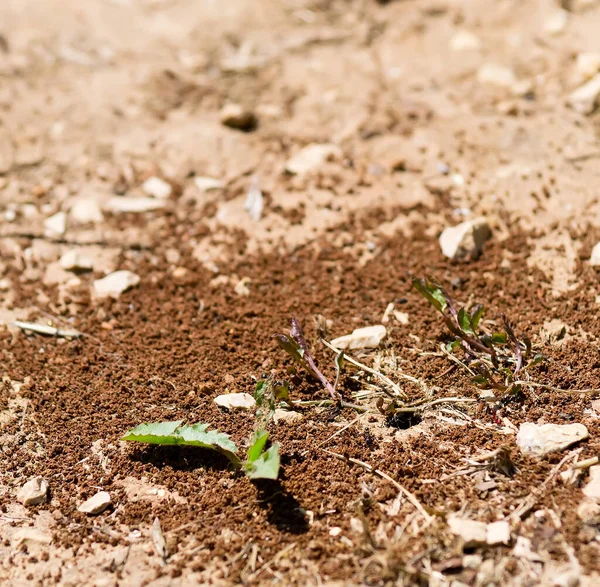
column 495, row 357
column 296, row 346
column 259, row 463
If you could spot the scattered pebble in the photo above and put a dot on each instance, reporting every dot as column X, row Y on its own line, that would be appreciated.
column 236, row 401
column 25, row 535
column 179, row 273
column 74, row 261
column 34, row 492
column 473, row 533
column 498, row 533
column 254, row 200
column 465, row 41
column 86, row 211
column 466, row 239
column 587, row 65
column 585, row 98
column 540, row 440
column 523, row 550
column 361, row 338
column 496, row 75
column 553, row 331
column 592, row 489
column 56, row 225
column 157, row 188
column 95, row 504
column 235, row 116
column 588, row 511
column 595, row 257
column 114, row 284
column 207, row 184
column 335, row 531
column 133, row 205
column 401, row 317
column 311, row 157
column 241, row 287
column 557, row 22
column 288, row 416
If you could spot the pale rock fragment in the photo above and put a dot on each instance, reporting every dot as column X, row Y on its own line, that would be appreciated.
column 32, row 536
column 496, row 75
column 74, row 261
column 134, row 204
column 288, row 416
column 592, row 489
column 361, row 338
column 114, row 284
column 498, row 533
column 85, row 211
column 95, row 504
column 466, row 239
column 207, row 184
column 157, row 188
column 587, row 65
column 595, row 256
column 34, row 492
column 311, row 157
column 235, row 401
column 539, row 440
column 523, row 550
column 465, row 41
column 241, row 287
column 56, row 225
column 585, row 98
column 556, row 22
column 473, row 533
column 588, row 511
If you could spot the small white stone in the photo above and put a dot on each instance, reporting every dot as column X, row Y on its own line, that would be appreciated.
column 496, row 75
column 134, row 205
column 592, row 489
column 401, row 317
column 498, row 533
column 241, row 287
column 56, row 225
column 466, row 239
column 335, row 531
column 114, row 284
column 34, row 492
column 556, row 22
column 96, row 504
column 585, row 98
column 311, row 157
column 73, row 260
column 86, row 211
column 235, row 401
column 465, row 41
column 288, row 416
column 207, row 184
column 587, row 65
column 540, row 440
column 595, row 257
column 361, row 338
column 31, row 535
column 473, row 533
column 588, row 511
column 523, row 550
column 157, row 188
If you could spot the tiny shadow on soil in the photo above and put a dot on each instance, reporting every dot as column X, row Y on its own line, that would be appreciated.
column 283, row 509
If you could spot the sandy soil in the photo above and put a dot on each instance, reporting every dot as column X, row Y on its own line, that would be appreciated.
column 431, row 113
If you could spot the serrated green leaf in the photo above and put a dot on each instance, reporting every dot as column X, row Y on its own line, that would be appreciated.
column 465, row 321
column 499, row 338
column 199, row 435
column 259, row 440
column 155, row 433
column 476, row 315
column 266, row 466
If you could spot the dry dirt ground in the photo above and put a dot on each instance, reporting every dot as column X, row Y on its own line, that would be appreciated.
column 435, row 111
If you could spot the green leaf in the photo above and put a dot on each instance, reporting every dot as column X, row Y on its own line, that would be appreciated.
column 499, row 338
column 198, row 435
column 155, row 433
column 290, row 347
column 433, row 295
column 282, row 390
column 266, row 466
column 259, row 391
column 476, row 316
column 465, row 321
column 452, row 346
column 257, row 445
column 481, row 381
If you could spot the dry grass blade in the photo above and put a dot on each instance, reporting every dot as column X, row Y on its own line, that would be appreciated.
column 158, row 540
